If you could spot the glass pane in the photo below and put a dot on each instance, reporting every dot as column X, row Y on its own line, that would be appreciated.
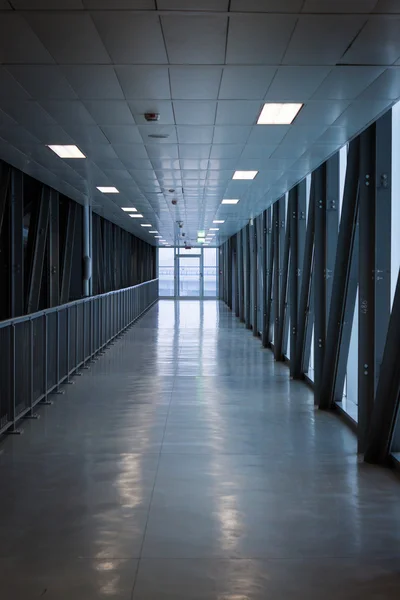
column 210, row 272
column 189, row 276
column 166, row 271
column 191, row 252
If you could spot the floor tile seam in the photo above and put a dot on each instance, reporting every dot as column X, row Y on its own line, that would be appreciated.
column 152, row 494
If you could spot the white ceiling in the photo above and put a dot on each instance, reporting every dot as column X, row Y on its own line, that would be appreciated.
column 85, row 71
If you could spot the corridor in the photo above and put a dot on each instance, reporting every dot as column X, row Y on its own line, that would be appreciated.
column 186, row 465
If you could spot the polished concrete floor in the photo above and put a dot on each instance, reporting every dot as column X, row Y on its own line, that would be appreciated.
column 186, row 465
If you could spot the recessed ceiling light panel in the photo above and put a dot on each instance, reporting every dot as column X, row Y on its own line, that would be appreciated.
column 136, row 216
column 145, row 225
column 108, row 190
column 244, row 174
column 217, row 221
column 279, row 114
column 128, row 209
column 229, row 201
column 67, row 151
column 214, row 228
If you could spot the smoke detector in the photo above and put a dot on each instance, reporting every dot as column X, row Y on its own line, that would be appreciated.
column 151, row 117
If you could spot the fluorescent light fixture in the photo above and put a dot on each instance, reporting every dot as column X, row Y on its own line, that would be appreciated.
column 201, row 233
column 108, row 190
column 244, row 174
column 128, row 209
column 136, row 216
column 218, row 221
column 154, row 231
column 279, row 114
column 214, row 228
column 67, row 151
column 158, row 237
column 145, row 225
column 229, row 201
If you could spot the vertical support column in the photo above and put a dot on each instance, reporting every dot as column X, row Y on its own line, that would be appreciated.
column 332, row 224
column 17, row 243
column 229, row 271
column 319, row 177
column 241, row 277
column 247, row 275
column 293, row 218
column 237, row 275
column 341, row 278
column 68, row 251
column 53, row 251
column 87, row 251
column 284, row 250
column 366, row 319
column 277, row 233
column 37, row 251
column 253, row 230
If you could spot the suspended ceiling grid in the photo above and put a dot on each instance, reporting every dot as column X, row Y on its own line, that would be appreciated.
column 84, row 72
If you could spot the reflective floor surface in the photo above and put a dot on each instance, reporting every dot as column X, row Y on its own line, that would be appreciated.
column 186, row 465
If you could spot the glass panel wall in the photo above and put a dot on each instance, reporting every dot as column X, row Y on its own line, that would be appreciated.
column 188, row 273
column 166, row 258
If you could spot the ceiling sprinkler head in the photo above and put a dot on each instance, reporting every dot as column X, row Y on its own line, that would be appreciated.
column 174, row 201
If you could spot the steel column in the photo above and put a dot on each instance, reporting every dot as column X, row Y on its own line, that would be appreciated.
column 319, row 176
column 17, row 243
column 38, row 250
column 253, row 230
column 53, row 251
column 68, row 250
column 247, row 275
column 342, row 269
column 293, row 218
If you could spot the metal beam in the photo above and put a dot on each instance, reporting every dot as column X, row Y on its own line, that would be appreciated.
column 68, row 252
column 247, row 276
column 319, row 176
column 386, row 406
column 281, row 342
column 254, row 277
column 17, row 243
column 236, row 275
column 270, row 271
column 342, row 269
column 276, row 268
column 294, row 219
column 366, row 296
column 5, row 171
column 38, row 250
column 305, row 289
column 54, row 251
column 332, row 224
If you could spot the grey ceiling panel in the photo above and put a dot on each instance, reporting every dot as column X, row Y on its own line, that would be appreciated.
column 88, row 135
column 226, row 134
column 268, row 134
column 386, row 86
column 122, row 134
column 140, row 82
column 322, row 39
column 246, row 83
column 334, row 135
column 296, row 83
column 267, row 5
column 4, row 5
column 47, row 4
column 131, row 38
column 42, row 81
column 238, row 112
column 10, row 89
column 217, row 5
column 13, row 29
column 387, row 6
column 93, row 82
column 162, row 107
column 110, row 112
column 68, row 113
column 194, row 113
column 192, row 134
column 258, row 39
column 377, row 44
column 338, row 6
column 194, row 150
column 346, row 83
column 127, row 152
column 226, row 150
column 256, row 151
column 120, row 4
column 195, row 40
column 195, row 83
column 321, row 112
column 70, row 38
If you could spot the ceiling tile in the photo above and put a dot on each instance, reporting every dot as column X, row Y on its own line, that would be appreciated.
column 386, row 86
column 321, row 112
column 195, row 83
column 10, row 89
column 162, row 107
column 194, row 150
column 47, row 4
column 192, row 134
column 296, row 84
column 93, row 82
column 303, row 134
column 238, row 112
column 4, row 5
column 346, row 82
column 258, row 39
column 222, row 164
column 68, row 113
column 166, row 165
column 162, row 151
column 140, row 82
column 226, row 150
column 360, row 113
column 258, row 151
column 42, row 81
column 246, row 83
column 335, row 135
column 13, row 29
column 235, row 134
column 150, row 129
column 268, row 134
column 194, row 164
column 120, row 4
column 217, row 5
column 194, row 113
column 131, row 38
column 195, row 40
column 267, row 5
column 122, row 134
column 110, row 112
column 387, row 6
column 377, row 44
column 69, row 37
column 127, row 152
column 338, row 6
column 322, row 39
column 90, row 134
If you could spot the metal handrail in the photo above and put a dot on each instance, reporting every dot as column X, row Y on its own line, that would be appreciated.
column 42, row 350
